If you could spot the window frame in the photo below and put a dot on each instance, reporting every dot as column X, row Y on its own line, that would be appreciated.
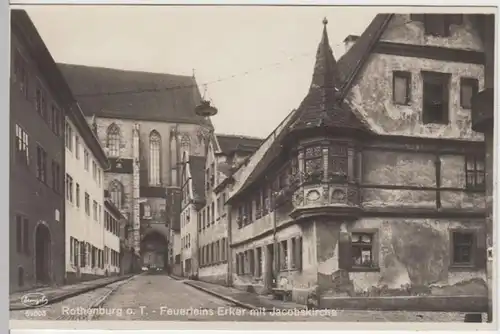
column 406, row 75
column 473, row 248
column 473, row 83
column 375, row 250
column 444, row 80
column 475, row 185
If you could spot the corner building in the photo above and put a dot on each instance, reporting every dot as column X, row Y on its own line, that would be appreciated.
column 374, row 186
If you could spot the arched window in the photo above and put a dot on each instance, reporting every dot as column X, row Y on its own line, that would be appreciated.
column 113, row 140
column 154, row 158
column 185, row 143
column 116, row 192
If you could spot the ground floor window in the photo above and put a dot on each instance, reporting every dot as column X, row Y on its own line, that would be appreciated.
column 462, row 248
column 362, row 249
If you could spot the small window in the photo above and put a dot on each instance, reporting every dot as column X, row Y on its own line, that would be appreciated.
column 401, row 83
column 435, row 98
column 462, row 248
column 468, row 88
column 41, row 164
column 474, row 172
column 439, row 24
column 77, row 195
column 22, row 146
column 362, row 250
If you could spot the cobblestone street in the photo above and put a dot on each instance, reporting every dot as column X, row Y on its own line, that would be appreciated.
column 161, row 298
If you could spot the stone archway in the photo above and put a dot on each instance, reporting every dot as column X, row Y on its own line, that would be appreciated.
column 42, row 254
column 154, row 248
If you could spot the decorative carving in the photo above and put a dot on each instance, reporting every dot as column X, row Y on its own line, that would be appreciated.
column 298, row 199
column 326, row 192
column 338, row 196
column 353, row 195
column 313, row 196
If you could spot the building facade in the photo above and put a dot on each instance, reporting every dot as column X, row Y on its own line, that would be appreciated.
column 115, row 225
column 38, row 101
column 84, row 190
column 142, row 126
column 483, row 121
column 375, row 185
column 204, row 232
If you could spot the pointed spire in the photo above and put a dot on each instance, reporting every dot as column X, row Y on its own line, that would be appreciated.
column 325, row 70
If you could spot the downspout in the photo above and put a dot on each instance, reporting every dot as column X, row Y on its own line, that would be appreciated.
column 229, row 252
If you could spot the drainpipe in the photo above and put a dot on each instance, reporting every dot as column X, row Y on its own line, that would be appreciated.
column 275, row 242
column 229, row 252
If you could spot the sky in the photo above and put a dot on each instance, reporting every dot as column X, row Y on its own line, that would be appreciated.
column 274, row 46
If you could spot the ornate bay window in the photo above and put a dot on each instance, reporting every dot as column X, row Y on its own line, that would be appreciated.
column 338, row 163
column 313, row 164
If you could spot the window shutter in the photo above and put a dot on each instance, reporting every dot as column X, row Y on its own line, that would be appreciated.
column 480, row 255
column 345, row 258
column 298, row 257
column 376, row 249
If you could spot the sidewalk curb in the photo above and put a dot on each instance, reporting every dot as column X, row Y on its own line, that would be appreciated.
column 72, row 294
column 101, row 300
column 221, row 296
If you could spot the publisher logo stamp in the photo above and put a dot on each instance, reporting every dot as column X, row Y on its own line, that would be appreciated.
column 35, row 299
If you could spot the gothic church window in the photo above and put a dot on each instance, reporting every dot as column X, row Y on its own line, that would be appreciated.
column 154, row 158
column 116, row 192
column 113, row 140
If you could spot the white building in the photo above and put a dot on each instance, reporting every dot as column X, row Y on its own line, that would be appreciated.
column 85, row 226
column 113, row 219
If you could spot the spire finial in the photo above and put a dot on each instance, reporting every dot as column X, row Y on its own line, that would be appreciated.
column 325, row 21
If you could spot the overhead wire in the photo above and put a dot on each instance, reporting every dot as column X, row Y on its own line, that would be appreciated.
column 205, row 84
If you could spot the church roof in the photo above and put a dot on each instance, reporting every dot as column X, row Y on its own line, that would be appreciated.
column 232, row 143
column 136, row 95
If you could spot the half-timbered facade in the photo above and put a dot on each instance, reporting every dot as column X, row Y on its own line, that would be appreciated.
column 374, row 186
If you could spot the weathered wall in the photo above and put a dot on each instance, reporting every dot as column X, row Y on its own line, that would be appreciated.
column 413, row 257
column 214, row 274
column 398, row 168
column 402, row 29
column 370, row 97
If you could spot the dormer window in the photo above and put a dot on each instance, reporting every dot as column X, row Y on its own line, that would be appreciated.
column 438, row 24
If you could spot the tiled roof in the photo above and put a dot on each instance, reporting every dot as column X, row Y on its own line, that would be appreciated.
column 197, row 170
column 134, row 95
column 232, row 143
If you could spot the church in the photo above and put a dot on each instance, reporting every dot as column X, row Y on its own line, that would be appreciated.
column 143, row 121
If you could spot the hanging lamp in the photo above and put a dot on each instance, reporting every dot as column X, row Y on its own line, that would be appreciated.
column 205, row 109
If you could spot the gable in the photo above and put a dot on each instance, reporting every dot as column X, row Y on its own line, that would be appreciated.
column 410, row 29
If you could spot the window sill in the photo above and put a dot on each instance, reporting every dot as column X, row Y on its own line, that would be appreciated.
column 364, row 269
column 289, row 270
column 462, row 267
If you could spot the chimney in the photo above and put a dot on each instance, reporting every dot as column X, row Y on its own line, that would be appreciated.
column 349, row 41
